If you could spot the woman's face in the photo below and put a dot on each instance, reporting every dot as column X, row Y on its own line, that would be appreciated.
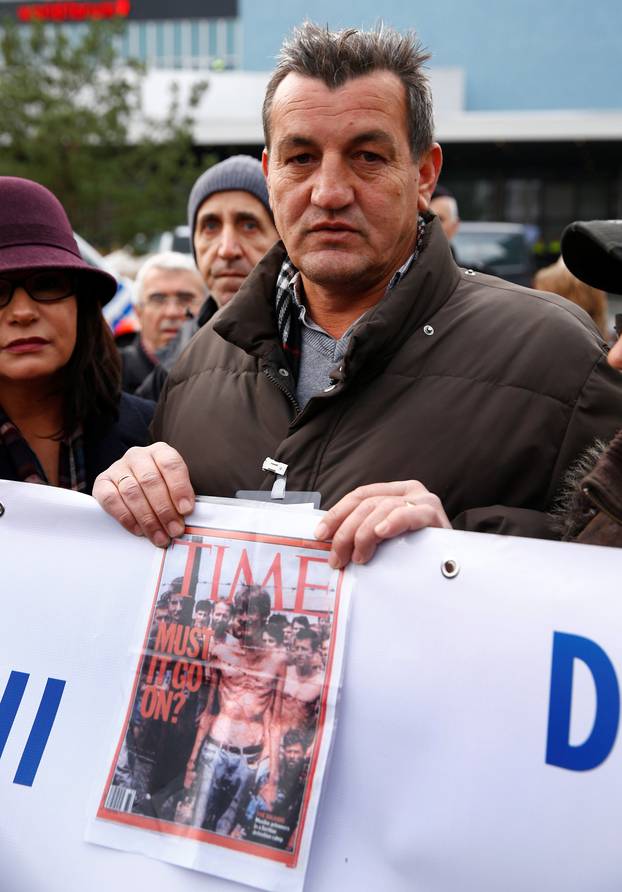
column 36, row 339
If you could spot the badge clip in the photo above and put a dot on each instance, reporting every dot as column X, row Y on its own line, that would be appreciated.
column 278, row 468
column 279, row 493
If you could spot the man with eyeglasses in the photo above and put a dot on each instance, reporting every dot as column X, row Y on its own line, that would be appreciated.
column 169, row 289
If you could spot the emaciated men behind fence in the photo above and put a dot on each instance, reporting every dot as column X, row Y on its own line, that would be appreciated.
column 232, row 742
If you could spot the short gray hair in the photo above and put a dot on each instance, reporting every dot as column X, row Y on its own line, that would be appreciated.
column 337, row 56
column 452, row 205
column 168, row 260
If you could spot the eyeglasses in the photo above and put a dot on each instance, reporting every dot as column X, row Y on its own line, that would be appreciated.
column 183, row 299
column 43, row 287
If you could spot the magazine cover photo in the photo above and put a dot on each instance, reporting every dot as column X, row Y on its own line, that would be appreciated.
column 230, row 706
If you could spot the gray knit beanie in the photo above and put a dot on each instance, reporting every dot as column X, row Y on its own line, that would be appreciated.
column 240, row 172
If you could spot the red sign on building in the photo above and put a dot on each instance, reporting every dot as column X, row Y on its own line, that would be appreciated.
column 133, row 10
column 73, row 11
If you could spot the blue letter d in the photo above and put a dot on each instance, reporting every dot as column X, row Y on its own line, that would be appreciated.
column 559, row 751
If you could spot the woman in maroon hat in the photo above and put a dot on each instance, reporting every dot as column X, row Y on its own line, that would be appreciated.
column 63, row 418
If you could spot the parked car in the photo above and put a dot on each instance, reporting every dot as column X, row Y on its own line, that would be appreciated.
column 119, row 312
column 501, row 249
column 177, row 239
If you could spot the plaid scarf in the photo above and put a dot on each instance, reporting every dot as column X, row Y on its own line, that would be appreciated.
column 287, row 305
column 71, row 461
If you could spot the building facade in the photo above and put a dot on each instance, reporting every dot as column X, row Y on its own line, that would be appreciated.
column 527, row 100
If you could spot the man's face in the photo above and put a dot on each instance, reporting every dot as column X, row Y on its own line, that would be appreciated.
column 233, row 231
column 303, row 652
column 324, row 651
column 167, row 294
column 201, row 617
column 446, row 210
column 343, row 184
column 269, row 641
column 246, row 624
column 294, row 754
column 161, row 613
column 220, row 613
column 175, row 607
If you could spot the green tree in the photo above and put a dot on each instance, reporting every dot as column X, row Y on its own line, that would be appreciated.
column 71, row 117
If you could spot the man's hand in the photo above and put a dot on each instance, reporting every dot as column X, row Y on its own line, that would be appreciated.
column 190, row 775
column 370, row 514
column 268, row 793
column 148, row 491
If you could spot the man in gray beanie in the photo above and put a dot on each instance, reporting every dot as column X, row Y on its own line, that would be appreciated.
column 231, row 228
column 230, row 223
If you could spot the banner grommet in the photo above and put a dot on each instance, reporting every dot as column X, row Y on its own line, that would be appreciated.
column 450, row 568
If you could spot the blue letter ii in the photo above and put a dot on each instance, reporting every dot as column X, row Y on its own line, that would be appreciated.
column 594, row 750
column 41, row 727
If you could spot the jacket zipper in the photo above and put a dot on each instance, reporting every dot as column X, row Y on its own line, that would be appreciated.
column 283, row 389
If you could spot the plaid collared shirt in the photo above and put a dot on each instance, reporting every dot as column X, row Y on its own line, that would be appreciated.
column 28, row 469
column 290, row 311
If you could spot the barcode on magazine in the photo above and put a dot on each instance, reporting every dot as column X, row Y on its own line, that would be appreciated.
column 120, row 798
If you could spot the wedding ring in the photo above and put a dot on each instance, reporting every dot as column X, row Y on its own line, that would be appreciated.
column 125, row 477
column 410, row 504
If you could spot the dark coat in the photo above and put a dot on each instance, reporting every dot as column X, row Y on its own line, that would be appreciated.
column 103, row 446
column 152, row 386
column 136, row 364
column 484, row 391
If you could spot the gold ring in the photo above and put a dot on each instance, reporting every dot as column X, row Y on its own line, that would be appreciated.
column 410, row 504
column 125, row 477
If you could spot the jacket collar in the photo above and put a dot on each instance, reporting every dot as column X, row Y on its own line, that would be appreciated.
column 249, row 322
column 603, row 485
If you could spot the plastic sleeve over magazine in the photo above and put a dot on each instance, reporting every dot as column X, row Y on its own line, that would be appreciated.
column 228, row 719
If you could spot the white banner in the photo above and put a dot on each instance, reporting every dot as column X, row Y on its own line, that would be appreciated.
column 476, row 741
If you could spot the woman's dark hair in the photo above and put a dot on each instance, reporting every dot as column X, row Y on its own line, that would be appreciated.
column 92, row 381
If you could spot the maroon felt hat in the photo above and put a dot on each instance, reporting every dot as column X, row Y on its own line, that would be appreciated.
column 35, row 233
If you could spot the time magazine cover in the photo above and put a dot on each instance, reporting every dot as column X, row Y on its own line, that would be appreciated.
column 226, row 734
